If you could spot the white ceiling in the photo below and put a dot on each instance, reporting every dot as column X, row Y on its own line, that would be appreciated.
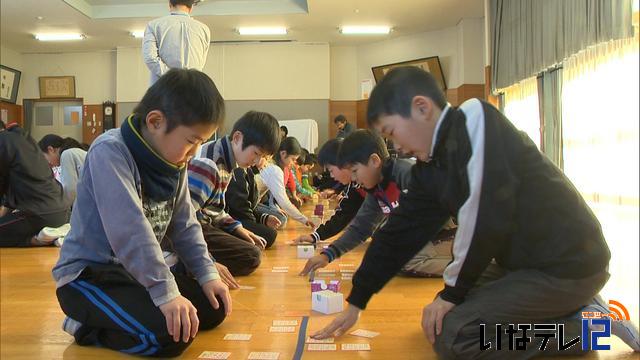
column 18, row 20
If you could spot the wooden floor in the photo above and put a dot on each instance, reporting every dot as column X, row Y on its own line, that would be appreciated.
column 31, row 317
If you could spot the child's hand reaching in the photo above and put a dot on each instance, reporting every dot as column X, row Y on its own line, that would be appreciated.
column 180, row 312
column 302, row 239
column 273, row 222
column 316, row 262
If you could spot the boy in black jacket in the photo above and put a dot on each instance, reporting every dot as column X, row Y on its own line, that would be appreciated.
column 512, row 205
column 352, row 196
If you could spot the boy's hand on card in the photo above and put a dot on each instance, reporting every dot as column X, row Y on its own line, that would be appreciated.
column 219, row 288
column 273, row 222
column 302, row 239
column 432, row 316
column 316, row 262
column 340, row 325
column 226, row 276
column 180, row 312
column 310, row 224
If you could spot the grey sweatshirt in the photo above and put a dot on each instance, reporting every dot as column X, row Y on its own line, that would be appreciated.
column 71, row 164
column 111, row 224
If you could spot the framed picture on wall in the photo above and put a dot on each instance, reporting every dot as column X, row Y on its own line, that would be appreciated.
column 429, row 64
column 57, row 87
column 9, row 83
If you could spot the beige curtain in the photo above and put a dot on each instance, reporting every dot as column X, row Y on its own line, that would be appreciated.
column 600, row 116
column 522, row 108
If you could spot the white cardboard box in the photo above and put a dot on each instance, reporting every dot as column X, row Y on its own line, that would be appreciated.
column 327, row 302
column 305, row 251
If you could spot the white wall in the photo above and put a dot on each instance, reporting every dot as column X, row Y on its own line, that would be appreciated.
column 95, row 73
column 244, row 72
column 13, row 59
column 344, row 73
column 461, row 49
column 442, row 43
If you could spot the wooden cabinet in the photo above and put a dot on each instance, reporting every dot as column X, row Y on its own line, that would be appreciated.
column 92, row 122
column 10, row 113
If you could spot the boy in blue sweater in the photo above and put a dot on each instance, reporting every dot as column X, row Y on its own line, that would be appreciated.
column 112, row 280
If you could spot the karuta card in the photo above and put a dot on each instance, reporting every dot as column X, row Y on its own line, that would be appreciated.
column 322, row 347
column 365, row 333
column 282, row 329
column 280, row 268
column 356, row 347
column 263, row 355
column 274, row 270
column 311, row 340
column 346, row 265
column 247, row 287
column 216, row 355
column 285, row 322
column 238, row 337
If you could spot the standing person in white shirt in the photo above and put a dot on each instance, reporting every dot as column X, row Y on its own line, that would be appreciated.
column 175, row 41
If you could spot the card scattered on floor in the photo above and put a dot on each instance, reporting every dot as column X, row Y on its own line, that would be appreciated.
column 346, row 265
column 282, row 329
column 214, row 355
column 356, row 347
column 238, row 337
column 279, row 270
column 311, row 340
column 263, row 355
column 285, row 322
column 247, row 287
column 365, row 333
column 322, row 347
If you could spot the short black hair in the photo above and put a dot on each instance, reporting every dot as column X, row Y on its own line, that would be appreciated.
column 259, row 129
column 185, row 97
column 394, row 93
column 291, row 146
column 58, row 142
column 340, row 119
column 285, row 130
column 328, row 154
column 187, row 3
column 311, row 159
column 358, row 147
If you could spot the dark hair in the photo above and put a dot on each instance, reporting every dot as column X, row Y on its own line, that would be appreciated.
column 328, row 154
column 394, row 93
column 185, row 97
column 259, row 129
column 57, row 142
column 2, row 126
column 359, row 146
column 340, row 119
column 291, row 146
column 302, row 158
column 285, row 130
column 310, row 159
column 187, row 3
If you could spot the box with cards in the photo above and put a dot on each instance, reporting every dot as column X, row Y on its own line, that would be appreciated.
column 305, row 251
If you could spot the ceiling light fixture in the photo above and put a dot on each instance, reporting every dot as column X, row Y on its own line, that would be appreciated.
column 262, row 31
column 59, row 37
column 137, row 34
column 365, row 30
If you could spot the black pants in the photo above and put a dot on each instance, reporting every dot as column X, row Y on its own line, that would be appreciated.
column 240, row 256
column 17, row 228
column 259, row 229
column 117, row 312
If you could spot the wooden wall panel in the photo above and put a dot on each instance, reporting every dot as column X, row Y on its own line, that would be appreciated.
column 346, row 108
column 92, row 126
column 13, row 113
column 362, row 114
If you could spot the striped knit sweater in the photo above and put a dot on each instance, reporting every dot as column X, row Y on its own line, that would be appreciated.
column 207, row 185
